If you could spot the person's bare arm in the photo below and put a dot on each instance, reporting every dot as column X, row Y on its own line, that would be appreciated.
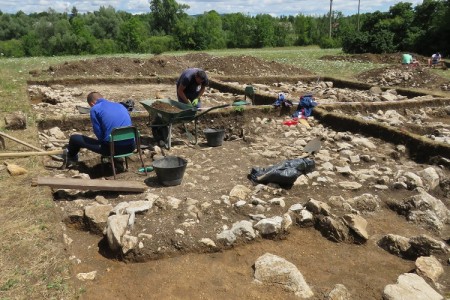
column 182, row 95
column 202, row 90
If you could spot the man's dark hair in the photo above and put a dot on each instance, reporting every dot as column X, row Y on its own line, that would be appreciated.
column 93, row 96
column 202, row 75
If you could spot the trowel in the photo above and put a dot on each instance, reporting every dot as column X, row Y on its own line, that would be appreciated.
column 312, row 147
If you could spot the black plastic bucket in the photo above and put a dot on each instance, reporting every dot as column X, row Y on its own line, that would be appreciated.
column 170, row 170
column 214, row 137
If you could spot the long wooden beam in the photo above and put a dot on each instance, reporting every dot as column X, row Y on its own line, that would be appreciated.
column 32, row 153
column 26, row 144
column 91, row 184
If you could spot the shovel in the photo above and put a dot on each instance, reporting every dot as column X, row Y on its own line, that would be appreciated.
column 83, row 110
column 312, row 147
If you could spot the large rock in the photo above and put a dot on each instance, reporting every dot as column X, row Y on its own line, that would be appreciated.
column 358, row 225
column 430, row 177
column 339, row 292
column 365, row 203
column 318, row 207
column 17, row 120
column 274, row 270
column 411, row 287
column 333, row 229
column 269, row 226
column 412, row 248
column 117, row 225
column 244, row 229
column 429, row 267
column 96, row 217
column 240, row 192
column 395, row 244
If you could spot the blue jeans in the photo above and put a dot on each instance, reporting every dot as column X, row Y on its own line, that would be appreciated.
column 78, row 141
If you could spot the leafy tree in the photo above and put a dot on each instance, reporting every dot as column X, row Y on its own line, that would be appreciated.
column 157, row 44
column 12, row 48
column 131, row 35
column 264, row 34
column 74, row 12
column 431, row 24
column 184, row 33
column 238, row 30
column 32, row 44
column 63, row 41
column 208, row 31
column 382, row 42
column 105, row 23
column 401, row 17
column 356, row 42
column 85, row 39
column 302, row 27
column 105, row 46
column 165, row 14
column 284, row 33
column 14, row 27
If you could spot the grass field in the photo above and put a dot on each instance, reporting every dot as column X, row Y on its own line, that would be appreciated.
column 33, row 264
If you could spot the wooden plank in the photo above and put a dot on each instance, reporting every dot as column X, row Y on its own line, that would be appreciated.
column 28, row 145
column 304, row 122
column 32, row 153
column 91, row 184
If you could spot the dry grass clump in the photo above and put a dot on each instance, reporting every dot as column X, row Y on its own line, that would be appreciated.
column 33, row 263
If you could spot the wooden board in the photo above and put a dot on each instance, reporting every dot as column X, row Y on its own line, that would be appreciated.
column 91, row 184
column 26, row 144
column 304, row 122
column 33, row 153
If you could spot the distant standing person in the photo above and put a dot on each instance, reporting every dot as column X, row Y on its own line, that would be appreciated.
column 191, row 86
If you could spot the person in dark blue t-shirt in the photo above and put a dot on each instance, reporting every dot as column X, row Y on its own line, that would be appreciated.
column 191, row 86
column 105, row 116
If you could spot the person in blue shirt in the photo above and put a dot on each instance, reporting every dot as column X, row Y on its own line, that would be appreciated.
column 105, row 115
column 191, row 86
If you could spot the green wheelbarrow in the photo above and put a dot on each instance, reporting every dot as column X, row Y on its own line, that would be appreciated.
column 182, row 113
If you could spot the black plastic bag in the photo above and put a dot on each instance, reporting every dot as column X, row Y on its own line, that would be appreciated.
column 284, row 173
column 129, row 105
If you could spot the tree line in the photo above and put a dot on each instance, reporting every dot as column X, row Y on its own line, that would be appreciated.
column 168, row 27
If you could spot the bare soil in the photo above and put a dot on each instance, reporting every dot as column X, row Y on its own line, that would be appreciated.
column 182, row 269
column 170, row 66
column 166, row 107
column 387, row 58
column 421, row 76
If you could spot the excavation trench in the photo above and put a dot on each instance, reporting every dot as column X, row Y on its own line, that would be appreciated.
column 167, row 238
column 375, row 146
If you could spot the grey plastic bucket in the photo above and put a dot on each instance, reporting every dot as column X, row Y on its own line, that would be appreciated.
column 214, row 137
column 170, row 170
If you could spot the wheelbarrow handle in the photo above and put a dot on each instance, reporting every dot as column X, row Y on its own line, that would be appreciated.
column 216, row 107
column 211, row 108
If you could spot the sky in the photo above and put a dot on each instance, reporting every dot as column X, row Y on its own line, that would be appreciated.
column 250, row 7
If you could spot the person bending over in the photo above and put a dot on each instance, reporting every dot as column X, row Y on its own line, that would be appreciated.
column 105, row 115
column 191, row 86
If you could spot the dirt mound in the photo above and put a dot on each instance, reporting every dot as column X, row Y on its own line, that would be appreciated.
column 387, row 58
column 403, row 76
column 171, row 66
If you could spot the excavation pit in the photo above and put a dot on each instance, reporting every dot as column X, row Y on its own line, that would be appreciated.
column 217, row 200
